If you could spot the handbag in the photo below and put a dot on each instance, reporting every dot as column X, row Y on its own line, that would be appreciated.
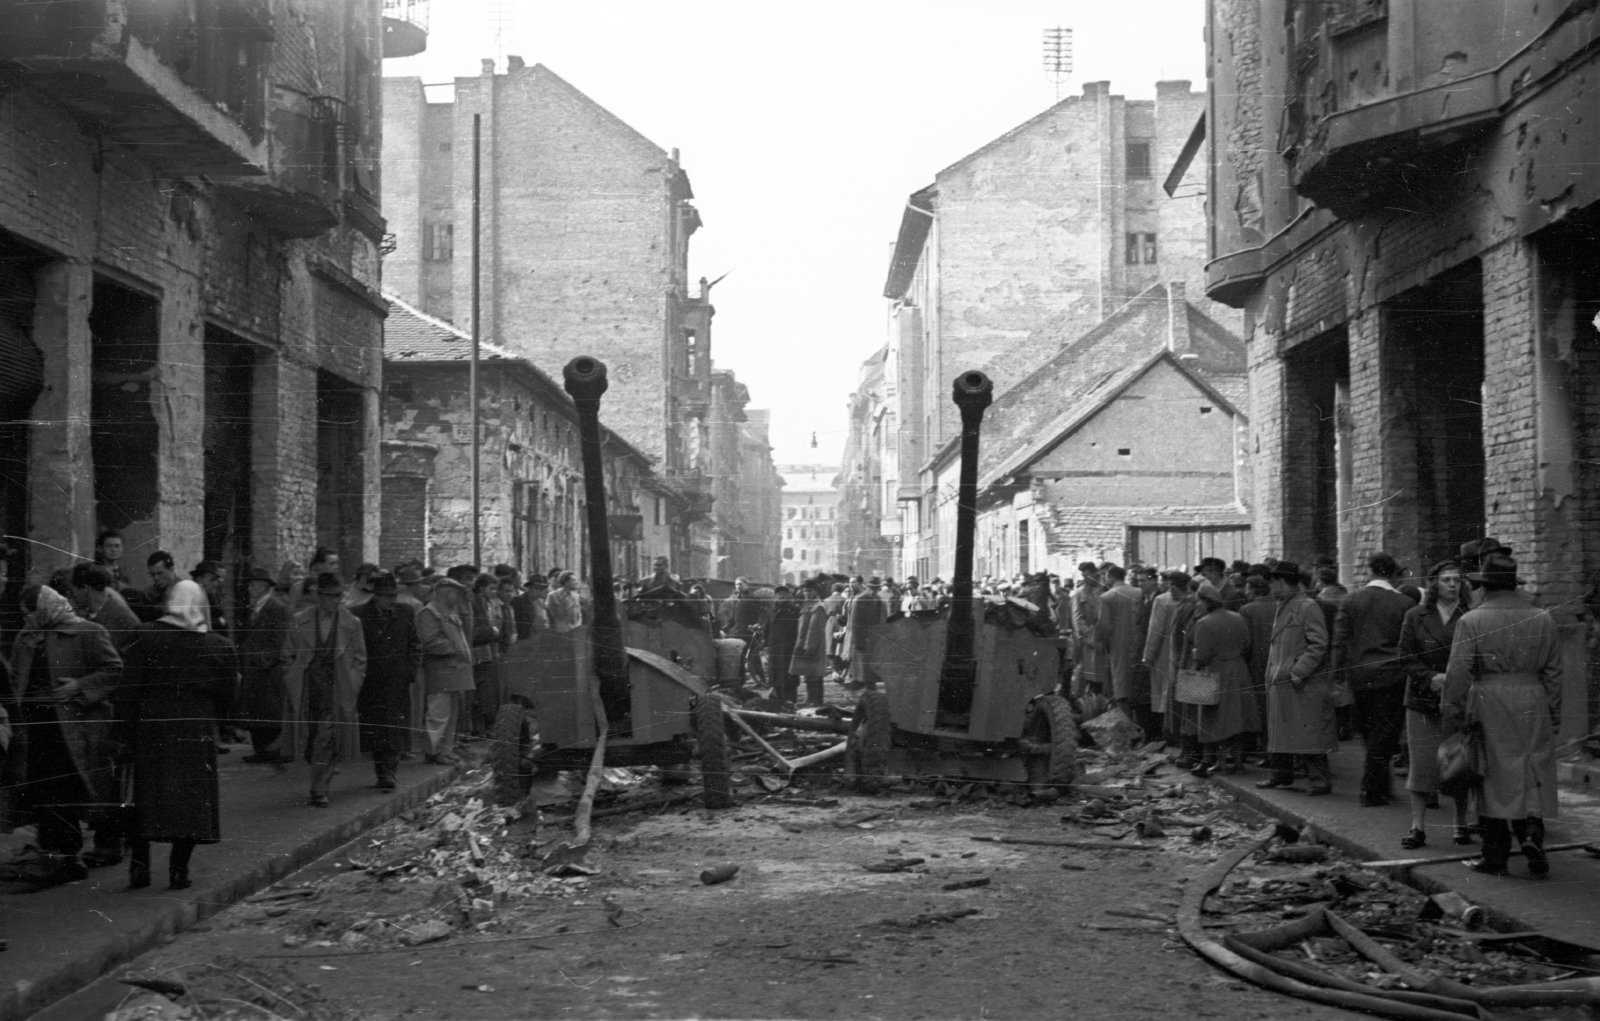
column 1420, row 696
column 1462, row 760
column 1197, row 687
column 1339, row 692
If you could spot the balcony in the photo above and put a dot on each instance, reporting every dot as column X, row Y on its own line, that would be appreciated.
column 184, row 91
column 1377, row 106
column 299, row 196
column 405, row 27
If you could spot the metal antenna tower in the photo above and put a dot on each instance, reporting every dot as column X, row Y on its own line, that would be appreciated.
column 503, row 16
column 1058, row 56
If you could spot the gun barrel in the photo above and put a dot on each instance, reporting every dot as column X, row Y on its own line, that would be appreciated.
column 972, row 392
column 584, row 378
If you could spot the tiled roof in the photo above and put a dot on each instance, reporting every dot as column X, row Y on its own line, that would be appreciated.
column 1130, row 336
column 411, row 335
column 1068, row 529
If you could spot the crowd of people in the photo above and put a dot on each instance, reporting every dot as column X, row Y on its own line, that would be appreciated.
column 1274, row 665
column 116, row 700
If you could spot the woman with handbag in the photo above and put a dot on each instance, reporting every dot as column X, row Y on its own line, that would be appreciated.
column 1219, row 642
column 1505, row 675
column 1425, row 639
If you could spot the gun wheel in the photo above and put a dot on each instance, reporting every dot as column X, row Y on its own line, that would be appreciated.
column 711, row 736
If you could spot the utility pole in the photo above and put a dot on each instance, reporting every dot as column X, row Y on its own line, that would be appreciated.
column 477, row 310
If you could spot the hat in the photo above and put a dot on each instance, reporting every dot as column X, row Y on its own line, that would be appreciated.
column 1288, row 570
column 206, row 567
column 260, row 574
column 538, row 581
column 1209, row 592
column 329, row 584
column 874, row 582
column 408, row 576
column 1496, row 569
column 384, row 584
column 1483, row 547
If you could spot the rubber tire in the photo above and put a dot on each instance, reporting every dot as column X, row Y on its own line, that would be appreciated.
column 1049, row 720
column 867, row 757
column 510, row 752
column 711, row 737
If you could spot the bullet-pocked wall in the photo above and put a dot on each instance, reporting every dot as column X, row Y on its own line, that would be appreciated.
column 161, row 286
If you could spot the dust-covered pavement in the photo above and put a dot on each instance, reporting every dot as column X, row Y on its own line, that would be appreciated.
column 806, row 929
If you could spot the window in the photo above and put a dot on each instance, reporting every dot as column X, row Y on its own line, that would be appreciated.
column 788, row 533
column 660, row 502
column 791, row 512
column 1205, row 409
column 1124, row 451
column 1138, row 161
column 692, row 346
column 802, row 556
column 1141, row 249
column 437, row 242
column 788, row 553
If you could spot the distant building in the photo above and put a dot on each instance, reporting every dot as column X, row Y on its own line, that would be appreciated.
column 531, row 509
column 810, row 522
column 869, row 526
column 760, row 499
column 584, row 247
column 1404, row 206
column 1018, row 249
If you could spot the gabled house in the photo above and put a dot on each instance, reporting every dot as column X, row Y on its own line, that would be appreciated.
column 1128, row 445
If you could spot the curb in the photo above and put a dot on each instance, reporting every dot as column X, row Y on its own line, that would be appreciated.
column 24, row 997
column 1245, row 794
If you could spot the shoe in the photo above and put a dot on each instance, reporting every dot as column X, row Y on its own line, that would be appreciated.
column 318, row 801
column 138, row 876
column 1413, row 840
column 1538, row 861
column 408, row 756
column 1371, row 800
column 101, row 857
column 1317, row 792
column 385, row 783
column 178, row 879
column 1203, row 770
column 1463, row 836
column 1277, row 781
column 1488, row 868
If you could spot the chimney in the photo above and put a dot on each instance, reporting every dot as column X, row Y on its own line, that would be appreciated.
column 513, row 63
column 488, row 67
column 1177, row 320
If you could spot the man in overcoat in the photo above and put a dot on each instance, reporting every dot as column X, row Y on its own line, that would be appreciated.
column 865, row 613
column 1300, row 718
column 327, row 665
column 1505, row 675
column 1366, row 649
column 1085, row 618
column 263, row 635
column 389, row 629
column 1117, row 636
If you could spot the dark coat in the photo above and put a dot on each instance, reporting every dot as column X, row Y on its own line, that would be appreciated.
column 83, row 650
column 177, row 685
column 782, row 635
column 1366, row 637
column 118, row 618
column 394, row 655
column 1220, row 641
column 263, row 636
column 1424, row 649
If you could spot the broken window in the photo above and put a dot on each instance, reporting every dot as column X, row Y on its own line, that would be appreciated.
column 438, row 242
column 1141, row 249
column 1138, row 161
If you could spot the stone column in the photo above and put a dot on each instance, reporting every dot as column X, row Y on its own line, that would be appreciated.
column 61, row 511
column 283, row 438
column 177, row 399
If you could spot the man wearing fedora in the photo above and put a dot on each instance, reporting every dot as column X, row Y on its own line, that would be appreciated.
column 1472, row 555
column 263, row 632
column 394, row 654
column 327, row 665
column 1300, row 712
column 1505, row 676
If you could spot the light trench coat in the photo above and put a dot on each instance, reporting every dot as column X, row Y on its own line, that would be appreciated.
column 350, row 672
column 1505, row 672
column 1300, row 711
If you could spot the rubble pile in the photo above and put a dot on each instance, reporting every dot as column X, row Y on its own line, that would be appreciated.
column 228, row 989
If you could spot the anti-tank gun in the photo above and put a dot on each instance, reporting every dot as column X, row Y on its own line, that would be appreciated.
column 966, row 693
column 644, row 668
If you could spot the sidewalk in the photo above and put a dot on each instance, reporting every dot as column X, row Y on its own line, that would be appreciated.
column 64, row 937
column 1565, row 906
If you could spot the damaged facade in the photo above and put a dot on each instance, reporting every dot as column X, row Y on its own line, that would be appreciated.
column 1013, row 256
column 1403, row 211
column 190, row 321
column 811, row 522
column 531, row 498
column 584, row 247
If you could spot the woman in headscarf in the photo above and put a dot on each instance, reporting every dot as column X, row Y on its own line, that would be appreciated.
column 1219, row 641
column 63, row 671
column 180, row 680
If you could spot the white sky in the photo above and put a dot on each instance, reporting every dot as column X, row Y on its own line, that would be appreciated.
column 803, row 129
